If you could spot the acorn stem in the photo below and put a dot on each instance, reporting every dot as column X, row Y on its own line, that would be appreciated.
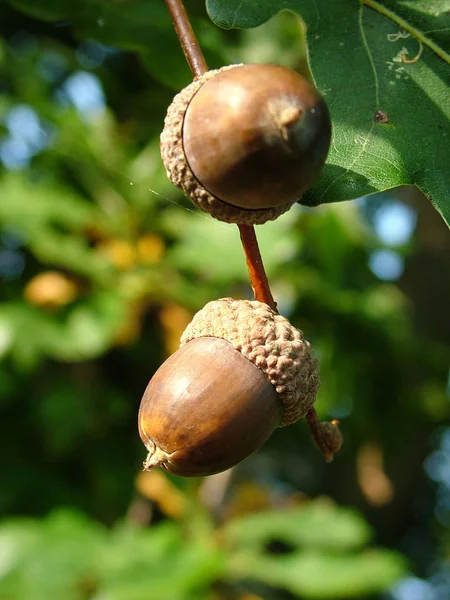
column 326, row 436
column 187, row 37
column 198, row 66
column 258, row 277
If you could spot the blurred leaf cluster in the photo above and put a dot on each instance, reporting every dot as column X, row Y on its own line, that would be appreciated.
column 103, row 264
column 173, row 561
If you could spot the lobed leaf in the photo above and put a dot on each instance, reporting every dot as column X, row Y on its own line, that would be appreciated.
column 383, row 69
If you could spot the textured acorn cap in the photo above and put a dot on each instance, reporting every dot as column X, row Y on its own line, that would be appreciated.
column 181, row 175
column 270, row 342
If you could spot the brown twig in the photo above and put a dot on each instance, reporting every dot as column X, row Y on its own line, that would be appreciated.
column 197, row 64
column 186, row 35
column 258, row 277
column 326, row 435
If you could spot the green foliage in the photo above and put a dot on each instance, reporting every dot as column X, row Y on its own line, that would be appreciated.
column 189, row 254
column 368, row 57
column 87, row 561
column 126, row 562
column 302, row 573
column 103, row 263
column 146, row 29
column 390, row 118
column 318, row 525
column 322, row 540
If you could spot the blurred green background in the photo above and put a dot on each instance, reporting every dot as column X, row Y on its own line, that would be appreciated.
column 102, row 265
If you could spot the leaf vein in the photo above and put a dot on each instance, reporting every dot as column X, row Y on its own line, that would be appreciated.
column 419, row 35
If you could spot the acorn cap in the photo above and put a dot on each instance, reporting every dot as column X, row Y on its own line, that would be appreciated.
column 181, row 175
column 270, row 342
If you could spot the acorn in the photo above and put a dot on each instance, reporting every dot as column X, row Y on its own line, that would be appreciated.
column 241, row 371
column 246, row 141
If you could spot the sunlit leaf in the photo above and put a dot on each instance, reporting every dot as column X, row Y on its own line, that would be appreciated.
column 315, row 525
column 382, row 67
column 319, row 576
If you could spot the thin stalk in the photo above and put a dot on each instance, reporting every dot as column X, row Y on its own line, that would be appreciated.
column 258, row 277
column 186, row 35
column 326, row 435
column 197, row 64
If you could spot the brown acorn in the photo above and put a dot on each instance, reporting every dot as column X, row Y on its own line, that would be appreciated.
column 242, row 370
column 246, row 141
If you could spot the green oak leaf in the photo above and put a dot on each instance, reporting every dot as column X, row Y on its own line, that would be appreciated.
column 315, row 525
column 384, row 71
column 314, row 575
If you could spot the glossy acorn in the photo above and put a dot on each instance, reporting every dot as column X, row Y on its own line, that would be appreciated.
column 242, row 370
column 206, row 409
column 246, row 141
